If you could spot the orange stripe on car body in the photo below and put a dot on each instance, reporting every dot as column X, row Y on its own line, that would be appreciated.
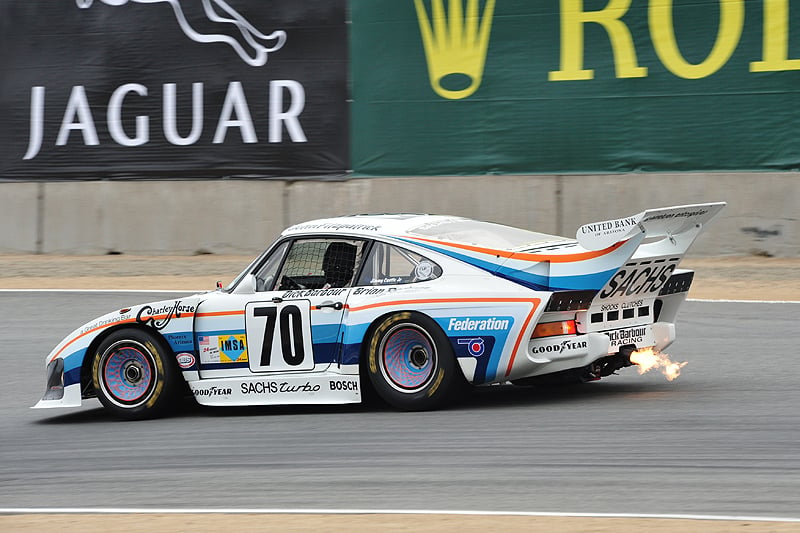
column 220, row 313
column 118, row 322
column 524, row 256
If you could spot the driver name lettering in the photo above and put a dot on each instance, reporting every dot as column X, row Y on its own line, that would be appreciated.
column 306, row 293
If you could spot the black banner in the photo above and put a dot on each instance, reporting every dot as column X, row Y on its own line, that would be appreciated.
column 172, row 88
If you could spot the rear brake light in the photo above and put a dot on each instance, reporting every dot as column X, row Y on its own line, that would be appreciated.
column 551, row 329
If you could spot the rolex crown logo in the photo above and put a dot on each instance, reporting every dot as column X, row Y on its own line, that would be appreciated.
column 455, row 44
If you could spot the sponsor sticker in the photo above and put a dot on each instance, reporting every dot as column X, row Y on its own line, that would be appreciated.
column 223, row 348
column 640, row 336
column 638, row 280
column 209, row 349
column 480, row 324
column 564, row 347
column 278, row 387
column 212, row 391
column 185, row 360
column 423, row 270
column 475, row 346
column 232, row 349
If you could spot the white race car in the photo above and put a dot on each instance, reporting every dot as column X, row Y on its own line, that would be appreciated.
column 417, row 307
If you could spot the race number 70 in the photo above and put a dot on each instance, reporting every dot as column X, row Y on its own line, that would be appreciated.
column 283, row 334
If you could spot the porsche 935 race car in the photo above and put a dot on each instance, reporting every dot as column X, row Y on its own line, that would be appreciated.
column 416, row 307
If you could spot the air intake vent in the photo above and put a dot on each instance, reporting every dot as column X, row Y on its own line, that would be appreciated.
column 570, row 300
column 677, row 283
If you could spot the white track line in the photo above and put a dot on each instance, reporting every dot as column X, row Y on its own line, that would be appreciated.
column 205, row 510
column 188, row 291
column 744, row 301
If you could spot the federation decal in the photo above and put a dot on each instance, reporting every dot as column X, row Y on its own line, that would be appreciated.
column 480, row 324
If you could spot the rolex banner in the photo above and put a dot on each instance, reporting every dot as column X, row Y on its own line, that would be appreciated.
column 549, row 86
column 173, row 88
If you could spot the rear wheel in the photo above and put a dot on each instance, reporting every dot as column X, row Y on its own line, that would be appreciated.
column 410, row 363
column 133, row 375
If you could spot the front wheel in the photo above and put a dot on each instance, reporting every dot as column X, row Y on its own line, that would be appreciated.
column 133, row 376
column 410, row 363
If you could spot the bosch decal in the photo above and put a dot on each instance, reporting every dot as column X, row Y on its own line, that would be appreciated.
column 343, row 385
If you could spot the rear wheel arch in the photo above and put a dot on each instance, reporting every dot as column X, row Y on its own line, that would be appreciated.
column 408, row 361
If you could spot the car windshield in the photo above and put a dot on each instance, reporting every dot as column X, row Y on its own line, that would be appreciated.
column 483, row 234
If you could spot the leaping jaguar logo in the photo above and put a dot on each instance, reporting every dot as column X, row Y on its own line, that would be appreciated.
column 253, row 47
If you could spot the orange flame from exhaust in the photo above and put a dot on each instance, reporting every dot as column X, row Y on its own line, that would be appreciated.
column 647, row 359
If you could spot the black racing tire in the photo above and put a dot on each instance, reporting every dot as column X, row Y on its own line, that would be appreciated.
column 411, row 365
column 134, row 375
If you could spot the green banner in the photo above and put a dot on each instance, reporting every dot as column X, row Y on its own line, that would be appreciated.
column 546, row 86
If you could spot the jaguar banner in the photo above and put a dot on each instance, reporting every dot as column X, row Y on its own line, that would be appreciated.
column 173, row 88
column 569, row 86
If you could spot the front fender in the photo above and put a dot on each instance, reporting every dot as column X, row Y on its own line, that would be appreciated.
column 172, row 319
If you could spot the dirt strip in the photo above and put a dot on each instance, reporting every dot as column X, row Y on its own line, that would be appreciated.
column 155, row 523
column 728, row 278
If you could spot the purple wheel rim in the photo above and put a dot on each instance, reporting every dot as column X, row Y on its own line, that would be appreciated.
column 408, row 357
column 127, row 373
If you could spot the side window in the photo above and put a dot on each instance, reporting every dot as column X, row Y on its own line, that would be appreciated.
column 320, row 264
column 392, row 265
column 265, row 276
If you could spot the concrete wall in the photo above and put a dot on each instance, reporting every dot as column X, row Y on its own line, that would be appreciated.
column 242, row 217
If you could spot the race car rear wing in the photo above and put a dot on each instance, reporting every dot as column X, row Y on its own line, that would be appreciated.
column 661, row 238
column 662, row 231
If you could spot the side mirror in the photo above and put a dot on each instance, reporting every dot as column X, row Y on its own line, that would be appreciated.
column 247, row 285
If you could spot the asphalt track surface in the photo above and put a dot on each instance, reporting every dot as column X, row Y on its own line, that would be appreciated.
column 720, row 440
